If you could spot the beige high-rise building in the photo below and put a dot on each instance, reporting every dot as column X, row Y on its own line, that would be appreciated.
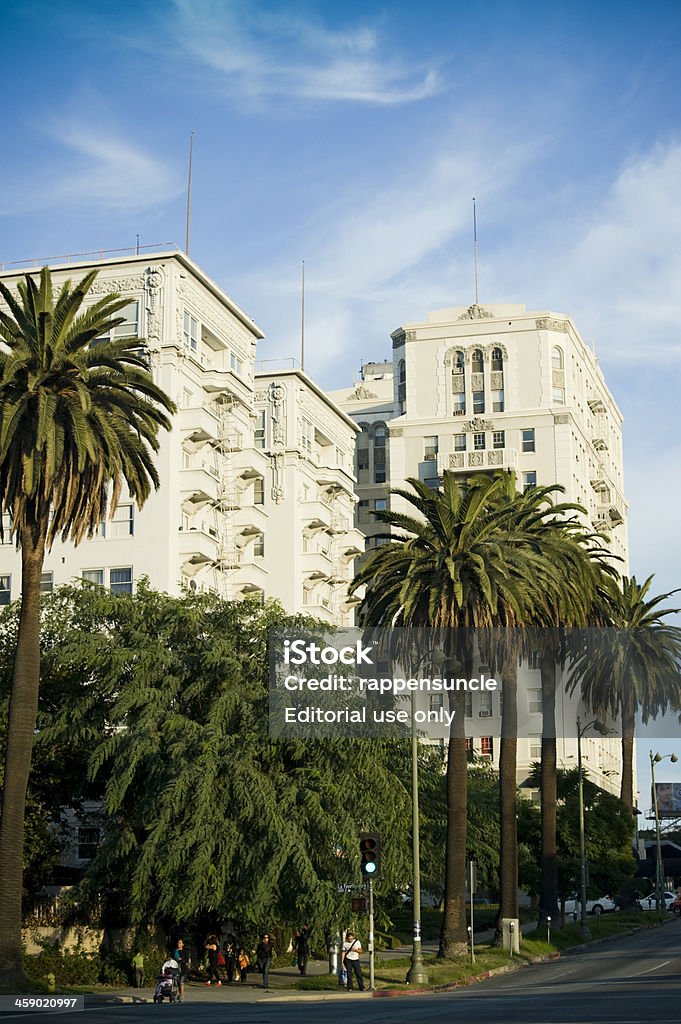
column 476, row 389
column 257, row 484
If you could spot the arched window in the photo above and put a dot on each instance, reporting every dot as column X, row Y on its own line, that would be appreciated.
column 556, row 358
column 477, row 361
column 497, row 359
column 402, row 372
column 458, row 363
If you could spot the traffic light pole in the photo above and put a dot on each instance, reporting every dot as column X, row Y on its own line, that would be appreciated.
column 372, row 978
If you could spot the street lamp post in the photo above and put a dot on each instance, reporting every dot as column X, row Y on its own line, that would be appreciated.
column 655, row 759
column 603, row 731
column 417, row 973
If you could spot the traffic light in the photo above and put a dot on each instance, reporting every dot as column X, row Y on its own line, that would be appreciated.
column 370, row 852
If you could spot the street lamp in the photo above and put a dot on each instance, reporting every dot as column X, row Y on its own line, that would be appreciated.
column 655, row 759
column 603, row 731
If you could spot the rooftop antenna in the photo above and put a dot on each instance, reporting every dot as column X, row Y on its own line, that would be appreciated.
column 137, row 246
column 189, row 191
column 302, row 317
column 475, row 250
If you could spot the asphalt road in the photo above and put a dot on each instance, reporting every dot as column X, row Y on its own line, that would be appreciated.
column 635, row 980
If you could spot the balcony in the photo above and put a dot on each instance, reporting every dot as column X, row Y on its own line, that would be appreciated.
column 352, row 544
column 196, row 549
column 316, row 515
column 599, row 432
column 486, row 460
column 199, row 486
column 335, row 477
column 199, row 425
column 250, row 518
column 316, row 565
column 251, row 464
column 214, row 381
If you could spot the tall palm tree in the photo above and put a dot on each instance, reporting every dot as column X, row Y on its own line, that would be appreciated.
column 457, row 565
column 79, row 418
column 634, row 666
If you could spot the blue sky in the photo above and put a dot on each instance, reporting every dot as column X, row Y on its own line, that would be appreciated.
column 353, row 136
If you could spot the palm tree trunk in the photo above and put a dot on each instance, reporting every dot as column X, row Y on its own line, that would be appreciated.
column 453, row 936
column 23, row 712
column 508, row 794
column 628, row 726
column 548, row 892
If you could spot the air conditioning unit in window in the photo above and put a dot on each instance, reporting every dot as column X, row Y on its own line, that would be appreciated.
column 485, row 713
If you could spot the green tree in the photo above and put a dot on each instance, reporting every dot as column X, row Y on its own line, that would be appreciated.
column 457, row 565
column 79, row 419
column 633, row 666
column 206, row 815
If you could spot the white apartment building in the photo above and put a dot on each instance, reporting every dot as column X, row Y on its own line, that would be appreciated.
column 257, row 486
column 475, row 389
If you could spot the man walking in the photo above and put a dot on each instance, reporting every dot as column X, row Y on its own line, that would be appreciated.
column 352, row 949
column 138, row 969
column 303, row 949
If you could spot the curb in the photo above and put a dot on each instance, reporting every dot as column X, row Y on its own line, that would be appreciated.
column 472, row 979
column 615, row 938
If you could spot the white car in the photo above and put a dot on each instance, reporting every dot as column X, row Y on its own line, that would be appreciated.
column 601, row 905
column 650, row 902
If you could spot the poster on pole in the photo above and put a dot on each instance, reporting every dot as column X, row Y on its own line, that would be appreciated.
column 668, row 799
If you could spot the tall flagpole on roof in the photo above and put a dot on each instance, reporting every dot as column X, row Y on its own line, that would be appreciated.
column 302, row 317
column 475, row 250
column 189, row 192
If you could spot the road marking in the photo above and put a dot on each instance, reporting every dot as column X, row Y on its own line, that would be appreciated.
column 656, row 968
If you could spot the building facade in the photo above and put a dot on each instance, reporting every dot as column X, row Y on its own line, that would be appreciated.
column 243, row 447
column 476, row 389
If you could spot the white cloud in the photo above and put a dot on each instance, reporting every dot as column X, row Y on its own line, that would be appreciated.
column 613, row 264
column 279, row 54
column 91, row 164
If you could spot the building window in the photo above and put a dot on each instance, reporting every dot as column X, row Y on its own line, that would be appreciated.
column 120, row 581
column 306, row 436
column 259, row 546
column 459, row 442
column 7, row 535
column 459, row 404
column 362, row 458
column 478, row 442
column 5, row 589
column 380, row 504
column 486, row 746
column 469, row 748
column 402, row 384
column 529, row 480
column 528, row 440
column 129, row 329
column 458, row 366
column 362, row 510
column 259, row 431
column 497, row 360
column 534, row 701
column 93, row 576
column 191, row 333
column 430, row 449
column 485, row 706
column 236, row 364
column 478, row 402
column 499, row 439
column 557, row 358
column 558, row 396
column 498, row 401
column 46, row 582
column 380, row 435
column 477, row 361
column 121, row 524
column 469, row 704
column 259, row 491
column 436, row 702
column 88, row 842
column 535, row 747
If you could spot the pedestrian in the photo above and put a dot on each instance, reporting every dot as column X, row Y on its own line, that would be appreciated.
column 212, row 946
column 352, row 950
column 243, row 961
column 138, row 969
column 229, row 950
column 303, row 949
column 184, row 960
column 264, row 954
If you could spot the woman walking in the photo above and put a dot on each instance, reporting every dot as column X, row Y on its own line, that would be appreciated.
column 212, row 947
column 264, row 954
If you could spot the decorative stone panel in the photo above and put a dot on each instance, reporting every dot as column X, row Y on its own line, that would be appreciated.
column 395, row 431
column 477, row 382
column 456, row 460
column 476, row 458
column 458, row 383
column 476, row 312
column 497, row 380
column 547, row 323
column 558, row 378
column 117, row 284
column 495, row 458
column 477, row 425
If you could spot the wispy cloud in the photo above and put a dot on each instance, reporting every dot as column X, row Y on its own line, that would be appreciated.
column 276, row 53
column 88, row 163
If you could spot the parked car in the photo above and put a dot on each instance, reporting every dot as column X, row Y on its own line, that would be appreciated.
column 601, row 905
column 675, row 907
column 649, row 902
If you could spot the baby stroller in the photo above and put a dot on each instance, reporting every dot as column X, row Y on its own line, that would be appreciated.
column 166, row 983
